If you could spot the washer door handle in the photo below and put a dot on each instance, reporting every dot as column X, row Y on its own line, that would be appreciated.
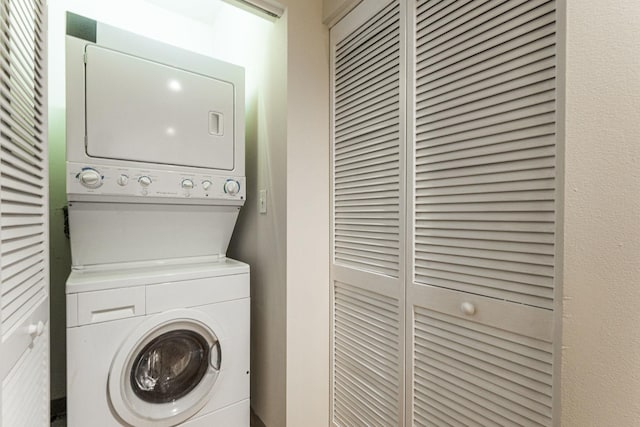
column 216, row 356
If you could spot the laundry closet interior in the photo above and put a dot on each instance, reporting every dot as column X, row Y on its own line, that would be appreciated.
column 120, row 66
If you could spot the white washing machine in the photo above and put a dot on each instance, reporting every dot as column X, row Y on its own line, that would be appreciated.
column 159, row 344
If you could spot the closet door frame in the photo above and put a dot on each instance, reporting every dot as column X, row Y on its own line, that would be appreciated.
column 561, row 59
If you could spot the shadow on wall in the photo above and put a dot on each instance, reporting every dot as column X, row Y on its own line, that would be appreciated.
column 60, row 252
column 259, row 240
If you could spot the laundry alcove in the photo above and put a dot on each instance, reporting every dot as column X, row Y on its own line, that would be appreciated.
column 259, row 44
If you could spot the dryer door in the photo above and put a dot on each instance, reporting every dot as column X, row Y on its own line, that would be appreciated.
column 140, row 110
column 166, row 370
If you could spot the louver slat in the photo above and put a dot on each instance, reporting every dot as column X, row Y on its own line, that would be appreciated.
column 485, row 151
column 23, row 186
column 366, row 146
column 366, row 358
column 477, row 374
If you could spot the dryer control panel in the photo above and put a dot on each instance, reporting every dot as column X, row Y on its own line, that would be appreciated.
column 99, row 180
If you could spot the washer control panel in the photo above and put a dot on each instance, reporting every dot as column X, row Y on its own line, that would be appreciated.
column 116, row 181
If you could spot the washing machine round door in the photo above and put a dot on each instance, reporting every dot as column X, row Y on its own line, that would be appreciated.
column 165, row 371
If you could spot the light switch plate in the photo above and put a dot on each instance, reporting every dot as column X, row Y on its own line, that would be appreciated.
column 262, row 201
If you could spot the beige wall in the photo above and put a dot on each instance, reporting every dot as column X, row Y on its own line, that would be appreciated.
column 307, row 216
column 288, row 247
column 333, row 10
column 601, row 327
column 260, row 239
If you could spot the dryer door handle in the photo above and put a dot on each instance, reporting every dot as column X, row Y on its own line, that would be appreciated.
column 215, row 359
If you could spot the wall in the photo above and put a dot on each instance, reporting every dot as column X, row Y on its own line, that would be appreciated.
column 333, row 10
column 601, row 327
column 215, row 29
column 260, row 239
column 307, row 215
column 288, row 247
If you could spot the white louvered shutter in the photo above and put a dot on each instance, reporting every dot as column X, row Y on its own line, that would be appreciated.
column 481, row 299
column 24, row 269
column 368, row 221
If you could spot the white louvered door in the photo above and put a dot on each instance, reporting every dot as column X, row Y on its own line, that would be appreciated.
column 477, row 269
column 483, row 190
column 368, row 225
column 24, row 269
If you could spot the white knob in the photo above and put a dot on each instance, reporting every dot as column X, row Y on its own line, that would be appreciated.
column 231, row 187
column 468, row 308
column 123, row 180
column 36, row 329
column 206, row 185
column 145, row 181
column 90, row 178
column 187, row 184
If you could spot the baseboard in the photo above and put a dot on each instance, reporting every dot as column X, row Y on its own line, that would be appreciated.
column 255, row 420
column 58, row 408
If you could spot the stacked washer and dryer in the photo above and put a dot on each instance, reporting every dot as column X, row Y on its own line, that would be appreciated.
column 157, row 316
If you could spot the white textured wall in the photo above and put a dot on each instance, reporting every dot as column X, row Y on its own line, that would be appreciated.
column 307, row 215
column 601, row 328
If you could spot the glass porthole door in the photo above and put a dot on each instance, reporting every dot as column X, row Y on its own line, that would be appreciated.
column 171, row 366
column 165, row 370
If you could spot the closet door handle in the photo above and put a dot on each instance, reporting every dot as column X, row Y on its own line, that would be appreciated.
column 468, row 308
column 36, row 329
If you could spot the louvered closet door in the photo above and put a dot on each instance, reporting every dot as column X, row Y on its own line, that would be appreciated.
column 480, row 302
column 368, row 224
column 24, row 270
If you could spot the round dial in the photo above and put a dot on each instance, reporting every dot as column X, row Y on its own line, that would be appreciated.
column 90, row 178
column 231, row 187
column 187, row 184
column 145, row 181
column 123, row 180
column 206, row 185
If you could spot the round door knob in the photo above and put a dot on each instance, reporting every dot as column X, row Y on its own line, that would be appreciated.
column 187, row 184
column 145, row 181
column 231, row 187
column 90, row 178
column 468, row 308
column 123, row 180
column 36, row 329
column 206, row 185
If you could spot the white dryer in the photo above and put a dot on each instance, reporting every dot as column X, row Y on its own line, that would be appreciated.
column 159, row 344
column 155, row 147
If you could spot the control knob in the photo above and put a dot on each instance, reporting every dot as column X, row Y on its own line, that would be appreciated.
column 123, row 180
column 90, row 178
column 145, row 181
column 187, row 184
column 231, row 187
column 206, row 185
